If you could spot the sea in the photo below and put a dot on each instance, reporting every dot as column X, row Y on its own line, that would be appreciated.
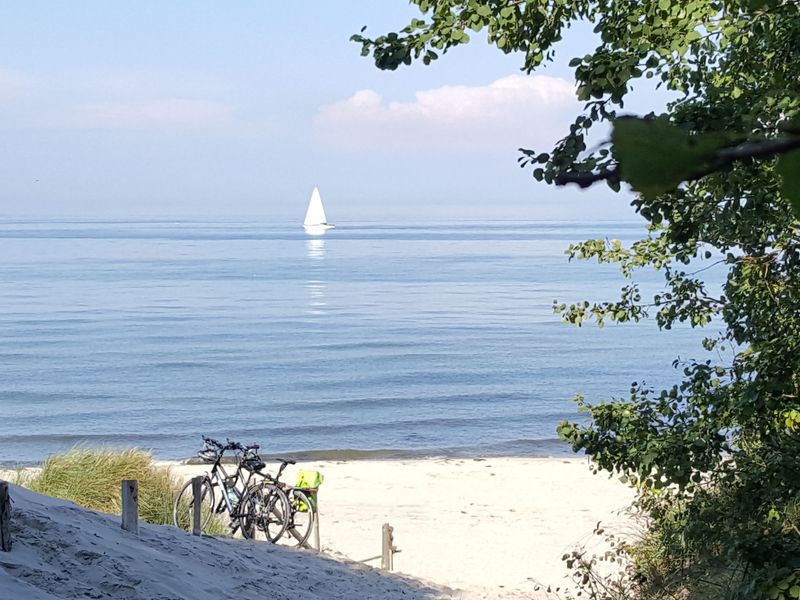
column 371, row 341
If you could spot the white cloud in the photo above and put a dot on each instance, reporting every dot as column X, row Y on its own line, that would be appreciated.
column 114, row 99
column 519, row 106
column 171, row 113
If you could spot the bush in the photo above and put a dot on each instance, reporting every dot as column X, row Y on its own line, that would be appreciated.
column 92, row 478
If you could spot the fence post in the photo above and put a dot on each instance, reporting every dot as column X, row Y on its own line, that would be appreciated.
column 387, row 549
column 130, row 505
column 197, row 505
column 5, row 518
column 315, row 514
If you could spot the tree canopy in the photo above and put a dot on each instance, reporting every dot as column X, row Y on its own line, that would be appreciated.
column 716, row 457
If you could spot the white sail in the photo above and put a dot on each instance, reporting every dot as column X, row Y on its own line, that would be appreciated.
column 315, row 222
column 315, row 215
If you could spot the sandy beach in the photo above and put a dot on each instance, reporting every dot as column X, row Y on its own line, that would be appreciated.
column 490, row 527
column 466, row 528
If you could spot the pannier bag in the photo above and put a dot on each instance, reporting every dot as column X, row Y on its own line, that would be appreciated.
column 310, row 482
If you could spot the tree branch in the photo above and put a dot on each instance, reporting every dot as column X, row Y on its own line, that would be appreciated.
column 720, row 161
column 586, row 179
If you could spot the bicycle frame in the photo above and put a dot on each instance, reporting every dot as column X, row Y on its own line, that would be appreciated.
column 219, row 478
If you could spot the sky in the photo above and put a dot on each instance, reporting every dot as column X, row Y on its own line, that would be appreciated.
column 193, row 108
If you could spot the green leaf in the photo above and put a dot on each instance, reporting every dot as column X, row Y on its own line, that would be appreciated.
column 789, row 170
column 655, row 156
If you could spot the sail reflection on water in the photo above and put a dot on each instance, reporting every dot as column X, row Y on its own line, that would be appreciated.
column 315, row 251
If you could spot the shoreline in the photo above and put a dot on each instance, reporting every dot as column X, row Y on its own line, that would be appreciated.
column 550, row 448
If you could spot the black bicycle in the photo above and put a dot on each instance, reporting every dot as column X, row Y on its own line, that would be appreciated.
column 303, row 503
column 260, row 510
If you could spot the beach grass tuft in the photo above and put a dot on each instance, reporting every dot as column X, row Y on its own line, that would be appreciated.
column 91, row 477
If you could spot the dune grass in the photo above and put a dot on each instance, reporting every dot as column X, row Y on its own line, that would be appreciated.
column 91, row 477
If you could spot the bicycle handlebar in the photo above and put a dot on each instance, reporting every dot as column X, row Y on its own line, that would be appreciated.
column 219, row 448
column 231, row 445
column 212, row 442
column 250, row 451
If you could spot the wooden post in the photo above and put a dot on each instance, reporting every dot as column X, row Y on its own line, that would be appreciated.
column 130, row 505
column 315, row 514
column 388, row 549
column 5, row 518
column 314, row 508
column 197, row 505
column 387, row 562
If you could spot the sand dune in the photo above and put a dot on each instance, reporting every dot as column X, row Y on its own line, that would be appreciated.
column 63, row 551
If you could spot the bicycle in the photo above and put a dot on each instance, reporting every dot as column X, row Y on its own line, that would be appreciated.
column 253, row 508
column 303, row 503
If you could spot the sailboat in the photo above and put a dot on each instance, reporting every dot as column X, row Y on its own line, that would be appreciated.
column 316, row 223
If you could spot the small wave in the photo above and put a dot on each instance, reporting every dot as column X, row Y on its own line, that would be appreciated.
column 541, row 448
column 390, row 401
column 478, row 421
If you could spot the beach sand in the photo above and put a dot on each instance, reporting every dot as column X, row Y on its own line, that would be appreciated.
column 60, row 551
column 492, row 527
column 467, row 528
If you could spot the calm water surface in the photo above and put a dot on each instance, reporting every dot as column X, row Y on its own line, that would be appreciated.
column 404, row 340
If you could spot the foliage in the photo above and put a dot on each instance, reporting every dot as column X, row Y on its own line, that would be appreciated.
column 92, row 478
column 704, row 49
column 607, row 576
column 715, row 457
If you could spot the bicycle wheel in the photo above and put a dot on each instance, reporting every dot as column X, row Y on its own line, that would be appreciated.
column 301, row 519
column 264, row 512
column 183, row 510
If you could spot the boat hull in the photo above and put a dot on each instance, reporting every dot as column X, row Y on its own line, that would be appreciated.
column 317, row 229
